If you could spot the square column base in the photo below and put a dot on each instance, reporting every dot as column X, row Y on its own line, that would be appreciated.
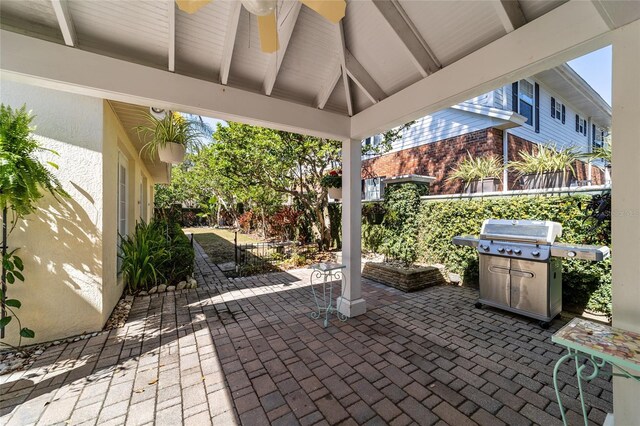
column 351, row 308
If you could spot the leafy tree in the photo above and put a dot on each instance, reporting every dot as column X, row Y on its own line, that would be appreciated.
column 23, row 181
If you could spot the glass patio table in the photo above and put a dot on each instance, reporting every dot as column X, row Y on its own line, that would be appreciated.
column 324, row 277
column 596, row 345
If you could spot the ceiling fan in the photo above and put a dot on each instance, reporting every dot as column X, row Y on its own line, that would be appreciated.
column 265, row 10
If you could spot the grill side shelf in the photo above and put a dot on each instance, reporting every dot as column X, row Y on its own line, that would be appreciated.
column 582, row 252
column 466, row 240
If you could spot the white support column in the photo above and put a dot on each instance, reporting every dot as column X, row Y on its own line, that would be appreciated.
column 351, row 302
column 626, row 205
column 505, row 160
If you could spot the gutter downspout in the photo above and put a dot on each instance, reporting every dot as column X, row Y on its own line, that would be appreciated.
column 505, row 160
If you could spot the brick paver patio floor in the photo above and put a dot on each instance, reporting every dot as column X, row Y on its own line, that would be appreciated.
column 246, row 351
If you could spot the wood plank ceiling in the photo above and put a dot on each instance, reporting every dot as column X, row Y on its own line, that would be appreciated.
column 379, row 48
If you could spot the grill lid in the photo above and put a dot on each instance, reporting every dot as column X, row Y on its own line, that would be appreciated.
column 529, row 231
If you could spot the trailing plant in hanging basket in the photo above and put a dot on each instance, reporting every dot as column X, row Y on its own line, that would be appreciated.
column 333, row 179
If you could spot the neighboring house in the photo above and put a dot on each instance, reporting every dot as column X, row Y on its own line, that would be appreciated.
column 69, row 247
column 555, row 107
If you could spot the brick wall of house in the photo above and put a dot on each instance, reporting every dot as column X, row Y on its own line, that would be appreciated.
column 438, row 158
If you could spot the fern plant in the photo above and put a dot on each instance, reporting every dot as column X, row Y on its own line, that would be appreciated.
column 23, row 181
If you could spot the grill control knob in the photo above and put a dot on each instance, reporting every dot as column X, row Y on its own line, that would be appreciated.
column 535, row 253
column 484, row 247
column 501, row 250
column 517, row 251
column 509, row 251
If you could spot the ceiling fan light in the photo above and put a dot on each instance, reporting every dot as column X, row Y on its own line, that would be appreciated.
column 260, row 7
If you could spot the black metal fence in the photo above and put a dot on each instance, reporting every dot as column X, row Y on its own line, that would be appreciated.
column 252, row 258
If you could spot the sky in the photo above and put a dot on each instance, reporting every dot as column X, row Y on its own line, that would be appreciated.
column 595, row 68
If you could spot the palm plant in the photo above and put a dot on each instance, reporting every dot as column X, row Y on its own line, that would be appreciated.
column 472, row 169
column 23, row 181
column 544, row 160
column 602, row 152
column 173, row 128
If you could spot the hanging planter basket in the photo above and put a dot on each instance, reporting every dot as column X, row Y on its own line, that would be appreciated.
column 335, row 193
column 172, row 153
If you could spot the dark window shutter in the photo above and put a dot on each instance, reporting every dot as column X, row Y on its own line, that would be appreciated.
column 593, row 132
column 577, row 123
column 514, row 96
column 537, row 101
column 553, row 107
column 563, row 113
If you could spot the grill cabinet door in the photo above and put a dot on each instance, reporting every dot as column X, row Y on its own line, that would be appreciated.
column 529, row 290
column 494, row 279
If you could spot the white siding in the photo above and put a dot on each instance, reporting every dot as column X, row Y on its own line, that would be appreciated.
column 552, row 131
column 444, row 124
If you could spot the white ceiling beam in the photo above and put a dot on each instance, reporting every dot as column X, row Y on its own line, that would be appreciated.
column 61, row 9
column 172, row 35
column 361, row 77
column 571, row 30
column 342, row 52
column 397, row 19
column 230, row 41
column 286, row 25
column 51, row 65
column 328, row 87
column 510, row 14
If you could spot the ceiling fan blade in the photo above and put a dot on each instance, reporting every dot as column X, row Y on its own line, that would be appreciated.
column 191, row 6
column 332, row 10
column 268, row 33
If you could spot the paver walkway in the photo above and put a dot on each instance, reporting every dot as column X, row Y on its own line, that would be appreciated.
column 245, row 351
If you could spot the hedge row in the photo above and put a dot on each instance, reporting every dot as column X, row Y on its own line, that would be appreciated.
column 585, row 284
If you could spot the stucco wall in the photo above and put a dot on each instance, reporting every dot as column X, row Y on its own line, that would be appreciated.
column 70, row 246
column 118, row 146
column 61, row 244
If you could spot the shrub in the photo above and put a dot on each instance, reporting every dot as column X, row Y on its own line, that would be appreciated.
column 283, row 224
column 402, row 203
column 245, row 221
column 585, row 284
column 179, row 264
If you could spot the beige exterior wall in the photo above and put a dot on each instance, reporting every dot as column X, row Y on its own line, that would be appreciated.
column 69, row 247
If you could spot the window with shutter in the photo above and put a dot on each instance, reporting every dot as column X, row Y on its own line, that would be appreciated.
column 514, row 97
column 526, row 100
column 577, row 123
column 553, row 107
column 563, row 113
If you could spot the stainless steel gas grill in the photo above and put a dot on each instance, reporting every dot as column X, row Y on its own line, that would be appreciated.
column 520, row 265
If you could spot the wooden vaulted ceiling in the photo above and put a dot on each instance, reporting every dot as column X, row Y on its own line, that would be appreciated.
column 379, row 48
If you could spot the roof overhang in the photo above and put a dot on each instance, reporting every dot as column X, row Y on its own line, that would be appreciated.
column 409, row 179
column 130, row 117
column 564, row 81
column 502, row 119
